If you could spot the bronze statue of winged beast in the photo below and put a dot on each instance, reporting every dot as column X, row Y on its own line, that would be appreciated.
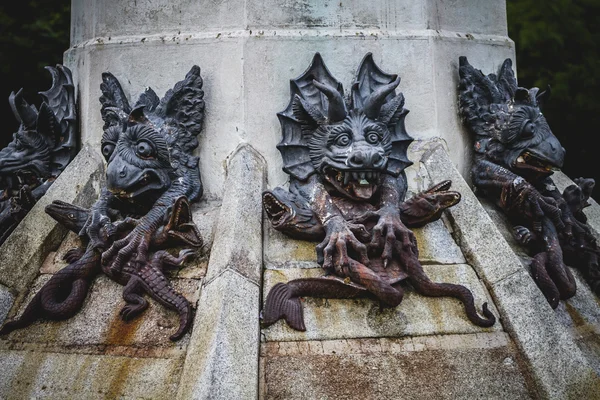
column 144, row 210
column 346, row 161
column 515, row 155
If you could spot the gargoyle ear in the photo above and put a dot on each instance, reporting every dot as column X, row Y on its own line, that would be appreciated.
column 542, row 98
column 306, row 113
column 136, row 116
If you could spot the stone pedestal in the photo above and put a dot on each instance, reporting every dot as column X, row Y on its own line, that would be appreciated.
column 248, row 51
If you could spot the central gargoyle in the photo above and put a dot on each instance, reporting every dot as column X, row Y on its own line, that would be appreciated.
column 346, row 162
column 515, row 155
column 151, row 176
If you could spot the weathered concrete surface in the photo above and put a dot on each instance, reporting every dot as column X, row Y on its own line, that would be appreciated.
column 446, row 367
column 6, row 302
column 416, row 315
column 26, row 248
column 39, row 374
column 99, row 324
column 558, row 366
column 222, row 360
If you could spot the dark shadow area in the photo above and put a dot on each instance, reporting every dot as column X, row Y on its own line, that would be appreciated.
column 558, row 44
column 33, row 34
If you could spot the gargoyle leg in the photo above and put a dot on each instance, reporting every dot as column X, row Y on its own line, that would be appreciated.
column 136, row 304
column 543, row 280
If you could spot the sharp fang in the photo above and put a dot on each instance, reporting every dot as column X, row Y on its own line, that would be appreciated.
column 346, row 177
column 363, row 182
column 361, row 175
column 355, row 176
column 339, row 176
column 521, row 159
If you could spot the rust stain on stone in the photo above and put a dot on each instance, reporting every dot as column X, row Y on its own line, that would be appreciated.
column 120, row 378
column 121, row 332
column 574, row 314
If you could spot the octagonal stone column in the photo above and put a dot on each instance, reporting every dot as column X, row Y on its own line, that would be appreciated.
column 249, row 50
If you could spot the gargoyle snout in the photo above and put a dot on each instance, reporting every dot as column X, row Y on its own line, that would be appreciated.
column 366, row 159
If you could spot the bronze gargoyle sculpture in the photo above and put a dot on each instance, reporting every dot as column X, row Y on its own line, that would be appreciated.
column 41, row 148
column 515, row 155
column 151, row 177
column 346, row 162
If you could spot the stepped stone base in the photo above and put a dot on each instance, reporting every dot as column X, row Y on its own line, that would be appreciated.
column 424, row 348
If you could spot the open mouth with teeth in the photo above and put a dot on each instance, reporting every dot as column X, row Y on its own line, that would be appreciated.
column 277, row 212
column 530, row 161
column 146, row 181
column 360, row 184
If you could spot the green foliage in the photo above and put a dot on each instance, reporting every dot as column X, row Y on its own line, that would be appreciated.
column 558, row 43
column 33, row 34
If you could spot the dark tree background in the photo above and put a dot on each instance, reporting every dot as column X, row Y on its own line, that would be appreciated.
column 557, row 44
column 33, row 34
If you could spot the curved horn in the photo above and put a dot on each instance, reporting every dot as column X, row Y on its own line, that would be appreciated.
column 337, row 106
column 24, row 113
column 373, row 103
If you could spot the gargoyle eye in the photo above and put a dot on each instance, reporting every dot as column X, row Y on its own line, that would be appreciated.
column 343, row 140
column 144, row 149
column 107, row 150
column 528, row 130
column 372, row 137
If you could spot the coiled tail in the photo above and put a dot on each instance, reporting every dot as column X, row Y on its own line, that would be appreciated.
column 63, row 295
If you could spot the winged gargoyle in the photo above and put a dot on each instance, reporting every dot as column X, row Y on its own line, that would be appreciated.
column 40, row 150
column 515, row 155
column 346, row 162
column 151, row 176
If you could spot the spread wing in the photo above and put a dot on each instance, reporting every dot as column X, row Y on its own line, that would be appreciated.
column 58, row 118
column 477, row 92
column 315, row 104
column 371, row 79
column 182, row 109
column 115, row 107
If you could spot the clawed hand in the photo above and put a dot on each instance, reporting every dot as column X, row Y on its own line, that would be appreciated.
column 391, row 233
column 340, row 234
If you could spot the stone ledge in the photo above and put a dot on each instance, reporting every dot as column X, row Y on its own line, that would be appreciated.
column 28, row 375
column 487, row 340
column 417, row 315
column 447, row 374
column 26, row 248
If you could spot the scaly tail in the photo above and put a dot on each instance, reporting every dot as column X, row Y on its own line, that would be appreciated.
column 426, row 287
column 283, row 301
column 157, row 286
column 62, row 296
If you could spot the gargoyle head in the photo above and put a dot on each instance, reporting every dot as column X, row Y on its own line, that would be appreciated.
column 508, row 123
column 29, row 151
column 149, row 146
column 138, row 161
column 350, row 143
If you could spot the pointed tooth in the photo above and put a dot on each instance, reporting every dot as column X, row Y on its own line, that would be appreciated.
column 361, row 175
column 363, row 182
column 355, row 176
column 369, row 176
column 520, row 159
column 346, row 177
